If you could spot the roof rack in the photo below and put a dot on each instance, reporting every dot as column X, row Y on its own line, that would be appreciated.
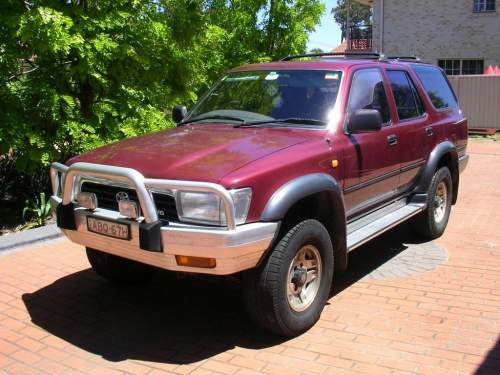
column 405, row 58
column 362, row 55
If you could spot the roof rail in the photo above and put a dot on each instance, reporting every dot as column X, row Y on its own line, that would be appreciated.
column 405, row 58
column 365, row 55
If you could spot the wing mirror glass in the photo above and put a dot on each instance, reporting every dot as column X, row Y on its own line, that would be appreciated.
column 364, row 121
column 179, row 113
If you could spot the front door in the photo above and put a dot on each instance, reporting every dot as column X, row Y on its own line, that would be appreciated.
column 372, row 159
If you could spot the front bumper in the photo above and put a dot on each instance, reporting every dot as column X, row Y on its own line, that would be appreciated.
column 234, row 248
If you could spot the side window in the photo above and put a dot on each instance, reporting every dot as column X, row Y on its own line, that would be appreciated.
column 368, row 92
column 406, row 96
column 436, row 86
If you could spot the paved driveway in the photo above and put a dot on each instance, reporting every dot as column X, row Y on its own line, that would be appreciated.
column 403, row 307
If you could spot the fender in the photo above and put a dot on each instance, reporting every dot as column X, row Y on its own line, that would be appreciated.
column 430, row 167
column 302, row 187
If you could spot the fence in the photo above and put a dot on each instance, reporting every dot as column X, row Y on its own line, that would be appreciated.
column 479, row 97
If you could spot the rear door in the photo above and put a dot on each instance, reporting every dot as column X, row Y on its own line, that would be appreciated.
column 372, row 161
column 412, row 127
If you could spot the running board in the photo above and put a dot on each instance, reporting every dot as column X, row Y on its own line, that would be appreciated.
column 376, row 224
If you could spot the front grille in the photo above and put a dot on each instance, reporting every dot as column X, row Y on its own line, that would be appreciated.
column 106, row 198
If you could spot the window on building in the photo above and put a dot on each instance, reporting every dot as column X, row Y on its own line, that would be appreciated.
column 437, row 87
column 472, row 66
column 368, row 92
column 451, row 67
column 404, row 94
column 454, row 67
column 484, row 6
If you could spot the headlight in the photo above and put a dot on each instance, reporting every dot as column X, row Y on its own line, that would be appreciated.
column 207, row 208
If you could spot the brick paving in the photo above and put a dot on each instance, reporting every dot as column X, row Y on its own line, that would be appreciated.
column 58, row 317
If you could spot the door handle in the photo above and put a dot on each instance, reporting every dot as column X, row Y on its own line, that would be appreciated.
column 393, row 140
column 429, row 131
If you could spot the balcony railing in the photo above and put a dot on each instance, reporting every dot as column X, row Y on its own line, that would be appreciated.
column 360, row 38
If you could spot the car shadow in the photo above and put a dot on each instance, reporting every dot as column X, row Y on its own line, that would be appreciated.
column 372, row 255
column 491, row 364
column 171, row 320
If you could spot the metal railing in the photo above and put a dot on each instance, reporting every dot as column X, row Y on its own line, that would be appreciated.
column 63, row 179
column 360, row 38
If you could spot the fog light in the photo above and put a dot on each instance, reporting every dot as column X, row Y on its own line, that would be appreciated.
column 87, row 200
column 128, row 209
column 187, row 261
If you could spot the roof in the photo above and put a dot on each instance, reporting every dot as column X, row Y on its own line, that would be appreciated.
column 341, row 47
column 365, row 2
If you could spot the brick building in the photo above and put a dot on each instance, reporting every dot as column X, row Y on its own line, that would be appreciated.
column 462, row 36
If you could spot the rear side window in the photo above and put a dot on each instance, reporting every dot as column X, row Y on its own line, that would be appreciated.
column 368, row 92
column 437, row 87
column 405, row 94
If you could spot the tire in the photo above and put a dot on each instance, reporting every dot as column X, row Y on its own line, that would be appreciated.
column 432, row 222
column 271, row 301
column 117, row 269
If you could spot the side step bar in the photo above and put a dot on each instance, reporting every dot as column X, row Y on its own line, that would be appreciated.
column 379, row 222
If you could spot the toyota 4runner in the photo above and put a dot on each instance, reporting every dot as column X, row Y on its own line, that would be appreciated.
column 276, row 174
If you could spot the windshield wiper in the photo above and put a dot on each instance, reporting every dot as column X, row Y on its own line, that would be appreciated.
column 212, row 117
column 291, row 120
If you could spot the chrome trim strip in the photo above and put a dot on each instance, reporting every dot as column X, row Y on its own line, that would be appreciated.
column 372, row 181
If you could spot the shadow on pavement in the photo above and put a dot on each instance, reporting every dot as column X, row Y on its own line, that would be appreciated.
column 374, row 254
column 491, row 364
column 169, row 320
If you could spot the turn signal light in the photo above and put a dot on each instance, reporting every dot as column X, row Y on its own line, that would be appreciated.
column 188, row 261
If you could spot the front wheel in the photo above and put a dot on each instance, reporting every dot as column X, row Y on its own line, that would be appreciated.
column 287, row 293
column 432, row 222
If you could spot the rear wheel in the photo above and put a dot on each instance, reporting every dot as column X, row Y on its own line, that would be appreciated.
column 118, row 269
column 432, row 222
column 288, row 292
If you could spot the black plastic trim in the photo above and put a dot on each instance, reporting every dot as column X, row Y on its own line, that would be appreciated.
column 150, row 236
column 305, row 186
column 66, row 216
column 429, row 169
column 295, row 190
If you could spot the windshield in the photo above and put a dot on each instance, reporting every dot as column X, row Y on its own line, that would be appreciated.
column 271, row 95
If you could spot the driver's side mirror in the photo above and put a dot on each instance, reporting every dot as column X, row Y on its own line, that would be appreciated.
column 364, row 121
column 179, row 113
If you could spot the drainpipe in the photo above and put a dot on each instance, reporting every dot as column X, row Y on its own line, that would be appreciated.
column 348, row 26
column 382, row 21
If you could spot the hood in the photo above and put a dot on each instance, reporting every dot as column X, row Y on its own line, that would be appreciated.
column 201, row 152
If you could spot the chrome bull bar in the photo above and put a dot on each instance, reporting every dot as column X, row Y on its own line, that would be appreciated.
column 63, row 185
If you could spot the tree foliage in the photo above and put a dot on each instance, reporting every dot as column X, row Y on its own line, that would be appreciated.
column 75, row 74
column 358, row 14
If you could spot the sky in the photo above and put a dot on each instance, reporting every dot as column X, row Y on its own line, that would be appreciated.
column 327, row 35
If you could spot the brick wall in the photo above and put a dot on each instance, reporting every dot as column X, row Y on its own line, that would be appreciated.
column 438, row 29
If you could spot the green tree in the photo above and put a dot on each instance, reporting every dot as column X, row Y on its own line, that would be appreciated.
column 76, row 74
column 316, row 50
column 358, row 14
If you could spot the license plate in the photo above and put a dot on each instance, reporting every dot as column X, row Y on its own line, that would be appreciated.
column 108, row 228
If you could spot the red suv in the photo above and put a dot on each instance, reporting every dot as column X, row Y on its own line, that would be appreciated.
column 276, row 174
